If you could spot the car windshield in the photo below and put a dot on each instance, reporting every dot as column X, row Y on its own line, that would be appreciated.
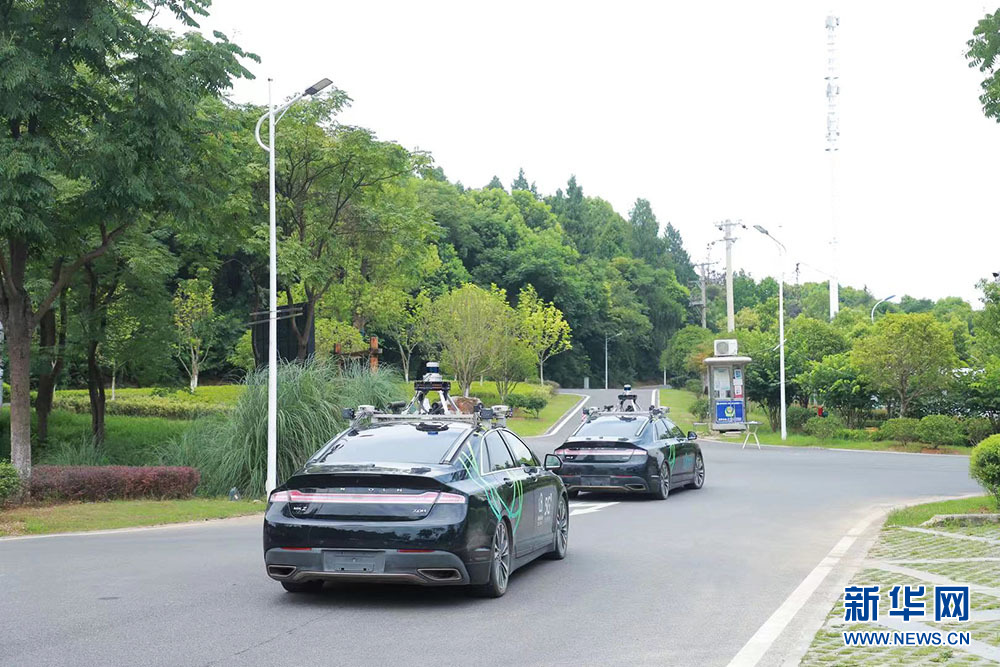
column 612, row 427
column 403, row 443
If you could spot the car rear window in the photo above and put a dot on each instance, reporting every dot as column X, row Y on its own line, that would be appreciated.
column 615, row 427
column 399, row 443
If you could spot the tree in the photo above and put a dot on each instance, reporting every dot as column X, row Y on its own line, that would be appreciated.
column 511, row 359
column 494, row 184
column 982, row 54
column 678, row 357
column 543, row 329
column 98, row 110
column 987, row 321
column 345, row 216
column 840, row 386
column 196, row 323
column 405, row 324
column 761, row 378
column 906, row 356
column 466, row 324
column 808, row 340
column 520, row 183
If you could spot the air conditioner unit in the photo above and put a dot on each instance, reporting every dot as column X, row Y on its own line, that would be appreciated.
column 725, row 347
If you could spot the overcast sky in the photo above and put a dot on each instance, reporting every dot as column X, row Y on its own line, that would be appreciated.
column 710, row 110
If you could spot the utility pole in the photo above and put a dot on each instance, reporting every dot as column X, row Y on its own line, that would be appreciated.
column 727, row 227
column 703, row 286
column 832, row 147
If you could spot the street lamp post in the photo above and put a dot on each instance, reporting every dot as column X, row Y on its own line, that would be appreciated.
column 606, row 339
column 272, row 298
column 781, row 325
column 888, row 298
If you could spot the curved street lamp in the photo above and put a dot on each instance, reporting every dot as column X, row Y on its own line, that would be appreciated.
column 272, row 298
column 879, row 303
column 781, row 324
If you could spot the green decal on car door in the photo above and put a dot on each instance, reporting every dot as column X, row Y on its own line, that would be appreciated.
column 496, row 502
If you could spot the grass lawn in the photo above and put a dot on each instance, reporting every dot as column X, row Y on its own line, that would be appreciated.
column 221, row 394
column 75, row 517
column 128, row 440
column 550, row 414
column 678, row 400
column 916, row 515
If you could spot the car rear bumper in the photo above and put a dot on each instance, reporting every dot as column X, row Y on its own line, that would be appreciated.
column 617, row 483
column 426, row 568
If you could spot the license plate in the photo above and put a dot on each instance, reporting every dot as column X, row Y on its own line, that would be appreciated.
column 595, row 481
column 353, row 561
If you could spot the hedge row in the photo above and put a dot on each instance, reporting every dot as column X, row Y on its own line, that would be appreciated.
column 142, row 406
column 93, row 483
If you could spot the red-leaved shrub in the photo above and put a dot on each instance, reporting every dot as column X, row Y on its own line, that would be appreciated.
column 111, row 482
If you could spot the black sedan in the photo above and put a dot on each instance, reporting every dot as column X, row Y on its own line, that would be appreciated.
column 416, row 501
column 642, row 452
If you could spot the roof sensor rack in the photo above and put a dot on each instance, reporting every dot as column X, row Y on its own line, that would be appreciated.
column 440, row 412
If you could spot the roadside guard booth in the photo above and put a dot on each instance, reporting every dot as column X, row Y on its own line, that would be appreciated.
column 727, row 411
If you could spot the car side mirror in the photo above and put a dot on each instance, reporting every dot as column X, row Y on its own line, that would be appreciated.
column 692, row 435
column 347, row 413
column 552, row 462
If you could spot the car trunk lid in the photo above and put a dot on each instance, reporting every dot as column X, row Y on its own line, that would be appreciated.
column 377, row 494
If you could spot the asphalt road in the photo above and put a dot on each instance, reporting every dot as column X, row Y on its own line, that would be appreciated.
column 683, row 581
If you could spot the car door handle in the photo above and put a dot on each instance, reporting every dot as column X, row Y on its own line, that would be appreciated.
column 507, row 481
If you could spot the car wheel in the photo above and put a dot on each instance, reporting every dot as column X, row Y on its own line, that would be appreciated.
column 573, row 494
column 311, row 586
column 699, row 474
column 662, row 488
column 562, row 532
column 499, row 563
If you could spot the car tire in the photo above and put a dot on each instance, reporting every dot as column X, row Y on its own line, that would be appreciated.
column 500, row 562
column 698, row 480
column 310, row 586
column 562, row 532
column 662, row 489
column 573, row 494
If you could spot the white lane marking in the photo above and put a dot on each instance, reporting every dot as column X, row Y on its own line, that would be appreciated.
column 571, row 413
column 764, row 638
column 590, row 509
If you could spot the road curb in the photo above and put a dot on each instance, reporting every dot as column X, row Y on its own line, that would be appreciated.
column 566, row 415
column 832, row 449
column 138, row 529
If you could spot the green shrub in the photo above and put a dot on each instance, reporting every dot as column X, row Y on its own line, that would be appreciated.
column 5, row 393
column 824, row 428
column 140, row 406
column 937, row 430
column 984, row 465
column 534, row 402
column 695, row 386
column 977, row 429
column 900, row 429
column 553, row 387
column 699, row 408
column 10, row 481
column 854, row 434
column 796, row 417
column 233, row 452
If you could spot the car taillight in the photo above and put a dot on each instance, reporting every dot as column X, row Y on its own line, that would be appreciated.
column 639, row 452
column 451, row 499
column 279, row 497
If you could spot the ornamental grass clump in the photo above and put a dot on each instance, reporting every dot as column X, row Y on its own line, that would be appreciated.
column 233, row 452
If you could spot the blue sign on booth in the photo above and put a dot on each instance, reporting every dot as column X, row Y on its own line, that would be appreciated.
column 728, row 412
